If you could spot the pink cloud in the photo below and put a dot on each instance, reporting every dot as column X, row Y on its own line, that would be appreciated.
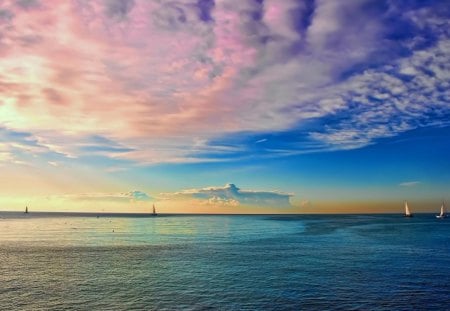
column 142, row 72
column 151, row 71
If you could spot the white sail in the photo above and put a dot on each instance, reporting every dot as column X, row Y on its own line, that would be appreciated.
column 442, row 214
column 407, row 211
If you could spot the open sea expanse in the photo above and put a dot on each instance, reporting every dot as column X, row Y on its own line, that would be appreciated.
column 202, row 262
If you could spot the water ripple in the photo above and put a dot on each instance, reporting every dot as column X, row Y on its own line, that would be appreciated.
column 225, row 263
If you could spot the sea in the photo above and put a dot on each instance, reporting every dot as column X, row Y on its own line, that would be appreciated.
column 51, row 261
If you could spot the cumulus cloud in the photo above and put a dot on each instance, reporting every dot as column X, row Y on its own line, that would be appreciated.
column 231, row 195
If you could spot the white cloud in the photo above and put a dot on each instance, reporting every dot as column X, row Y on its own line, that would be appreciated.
column 384, row 105
column 233, row 196
column 409, row 183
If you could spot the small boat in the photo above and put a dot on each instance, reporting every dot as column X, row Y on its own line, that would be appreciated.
column 154, row 211
column 407, row 211
column 443, row 213
column 26, row 210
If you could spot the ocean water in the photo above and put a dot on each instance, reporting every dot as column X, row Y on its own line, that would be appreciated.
column 310, row 262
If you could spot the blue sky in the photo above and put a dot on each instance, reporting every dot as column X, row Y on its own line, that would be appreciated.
column 224, row 105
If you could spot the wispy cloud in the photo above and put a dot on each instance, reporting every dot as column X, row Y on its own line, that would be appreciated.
column 125, row 197
column 409, row 183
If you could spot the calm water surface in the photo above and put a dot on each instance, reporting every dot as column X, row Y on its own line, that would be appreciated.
column 332, row 262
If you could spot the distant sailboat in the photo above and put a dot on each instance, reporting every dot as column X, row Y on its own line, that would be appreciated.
column 407, row 211
column 154, row 211
column 443, row 213
column 26, row 210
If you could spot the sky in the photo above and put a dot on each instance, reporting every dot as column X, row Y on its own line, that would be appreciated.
column 237, row 106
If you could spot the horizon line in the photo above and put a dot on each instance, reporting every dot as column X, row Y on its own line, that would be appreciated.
column 150, row 215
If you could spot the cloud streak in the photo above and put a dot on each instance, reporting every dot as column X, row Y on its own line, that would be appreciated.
column 409, row 183
column 125, row 197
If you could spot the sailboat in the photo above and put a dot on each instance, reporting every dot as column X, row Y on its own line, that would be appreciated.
column 26, row 210
column 443, row 213
column 154, row 211
column 407, row 211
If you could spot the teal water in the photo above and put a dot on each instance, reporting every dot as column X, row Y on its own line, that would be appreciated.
column 311, row 262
